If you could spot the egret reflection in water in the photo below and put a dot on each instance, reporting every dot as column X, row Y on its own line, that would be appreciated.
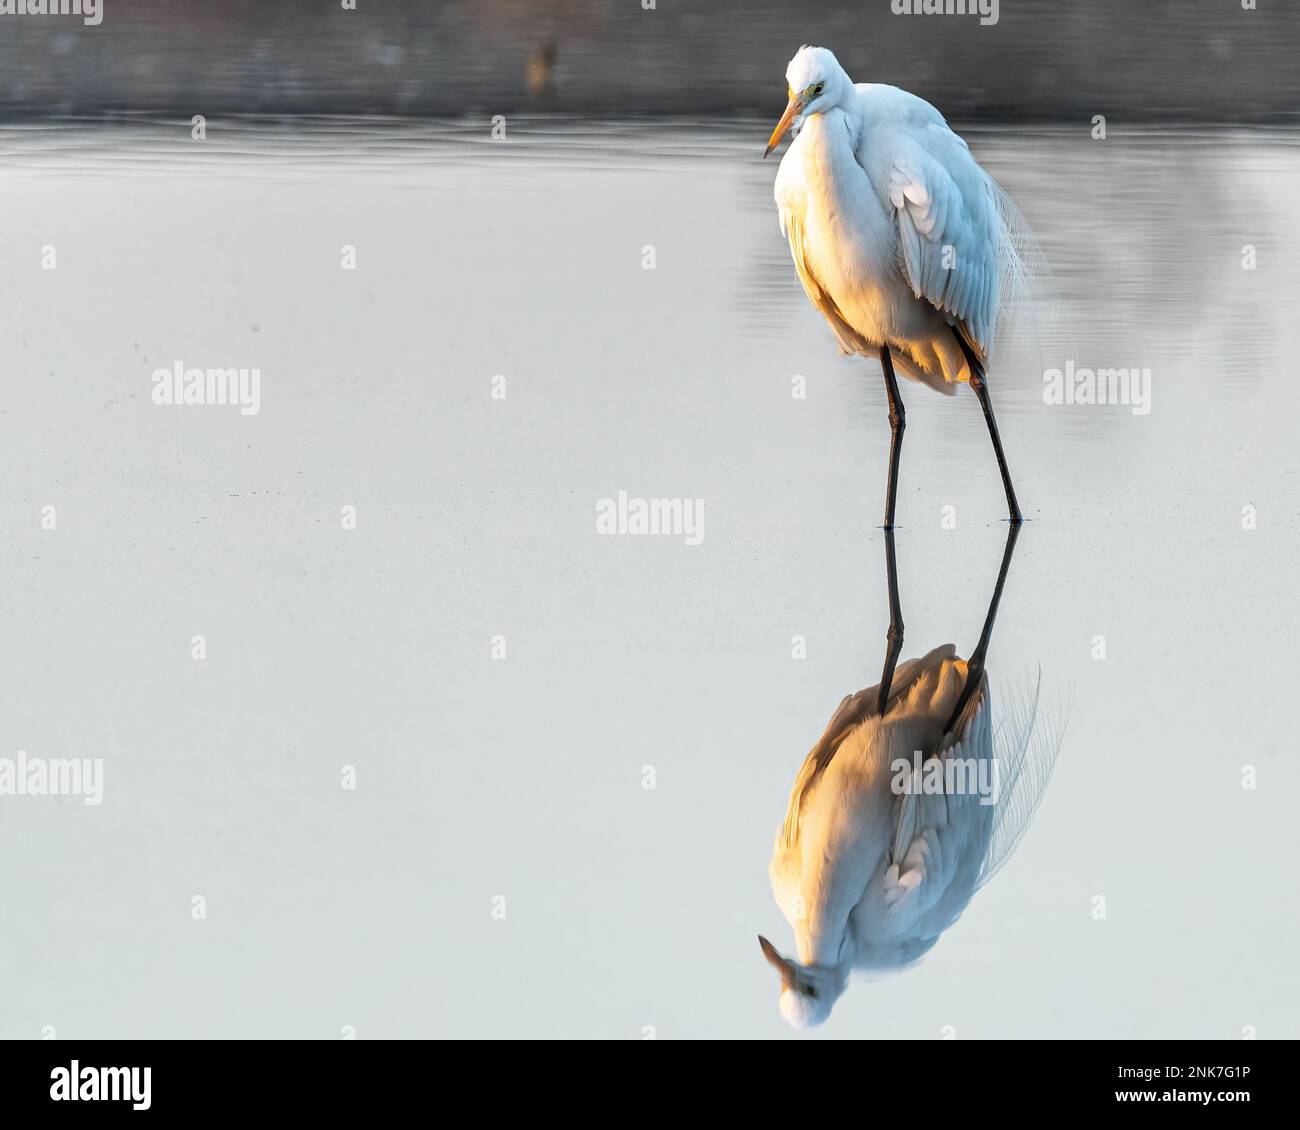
column 912, row 799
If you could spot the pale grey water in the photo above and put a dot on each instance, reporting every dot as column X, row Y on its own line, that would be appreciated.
column 522, row 777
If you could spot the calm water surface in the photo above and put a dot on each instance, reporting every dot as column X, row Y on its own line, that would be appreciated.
column 489, row 786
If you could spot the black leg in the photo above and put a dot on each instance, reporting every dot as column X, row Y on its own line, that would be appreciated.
column 979, row 383
column 975, row 665
column 894, row 637
column 897, row 426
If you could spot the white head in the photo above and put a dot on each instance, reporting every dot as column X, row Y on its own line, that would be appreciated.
column 808, row 992
column 816, row 82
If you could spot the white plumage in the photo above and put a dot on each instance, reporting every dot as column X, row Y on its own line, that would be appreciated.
column 910, row 250
column 869, row 879
column 895, row 230
column 873, row 860
column 912, row 859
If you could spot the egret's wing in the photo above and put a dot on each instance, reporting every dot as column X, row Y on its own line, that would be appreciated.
column 1025, row 745
column 949, row 227
column 940, row 840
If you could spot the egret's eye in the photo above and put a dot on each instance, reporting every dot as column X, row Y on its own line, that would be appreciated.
column 809, row 991
column 816, row 88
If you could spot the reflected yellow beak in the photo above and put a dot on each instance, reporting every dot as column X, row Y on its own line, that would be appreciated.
column 784, row 124
column 774, row 958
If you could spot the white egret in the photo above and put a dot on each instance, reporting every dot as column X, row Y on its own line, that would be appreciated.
column 880, row 853
column 903, row 242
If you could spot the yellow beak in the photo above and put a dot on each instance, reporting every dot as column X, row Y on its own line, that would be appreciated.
column 784, row 124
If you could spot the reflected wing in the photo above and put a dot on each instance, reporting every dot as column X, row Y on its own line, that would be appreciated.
column 940, row 840
column 1026, row 745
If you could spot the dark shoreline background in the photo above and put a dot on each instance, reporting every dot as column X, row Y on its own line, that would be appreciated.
column 1140, row 60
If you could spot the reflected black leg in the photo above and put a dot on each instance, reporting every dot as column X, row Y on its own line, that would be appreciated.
column 975, row 665
column 979, row 383
column 894, row 636
column 897, row 426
